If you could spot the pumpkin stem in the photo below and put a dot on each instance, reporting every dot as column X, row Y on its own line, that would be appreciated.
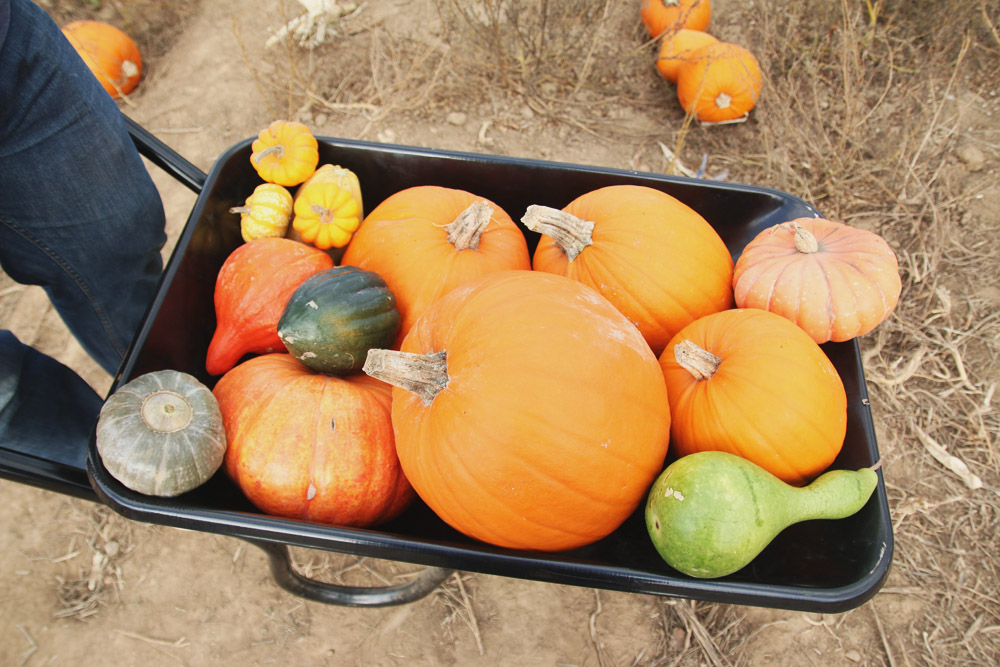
column 569, row 232
column 700, row 363
column 240, row 209
column 465, row 230
column 422, row 374
column 723, row 100
column 805, row 242
column 276, row 149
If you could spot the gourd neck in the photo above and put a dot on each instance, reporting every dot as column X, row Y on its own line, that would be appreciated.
column 425, row 375
column 700, row 363
column 465, row 230
column 833, row 495
column 805, row 241
column 569, row 232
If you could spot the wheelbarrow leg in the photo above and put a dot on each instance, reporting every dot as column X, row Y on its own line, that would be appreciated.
column 348, row 596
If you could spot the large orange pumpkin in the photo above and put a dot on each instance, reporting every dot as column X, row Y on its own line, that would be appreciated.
column 529, row 413
column 251, row 291
column 310, row 446
column 751, row 383
column 426, row 240
column 655, row 258
column 835, row 281
column 109, row 53
column 662, row 16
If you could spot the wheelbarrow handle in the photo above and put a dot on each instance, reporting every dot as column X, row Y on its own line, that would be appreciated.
column 165, row 157
column 294, row 582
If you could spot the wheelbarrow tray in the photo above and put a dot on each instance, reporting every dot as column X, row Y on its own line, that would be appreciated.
column 822, row 566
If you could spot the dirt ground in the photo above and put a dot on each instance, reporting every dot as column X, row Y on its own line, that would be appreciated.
column 901, row 135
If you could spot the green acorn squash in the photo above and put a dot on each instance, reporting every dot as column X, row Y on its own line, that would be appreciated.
column 337, row 315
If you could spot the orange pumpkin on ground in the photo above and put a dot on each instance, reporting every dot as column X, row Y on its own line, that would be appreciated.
column 655, row 258
column 662, row 16
column 835, row 281
column 751, row 383
column 719, row 83
column 109, row 53
column 676, row 49
column 529, row 413
column 251, row 291
column 310, row 446
column 426, row 240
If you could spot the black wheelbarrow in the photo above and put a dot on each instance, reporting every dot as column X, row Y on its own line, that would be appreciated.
column 817, row 566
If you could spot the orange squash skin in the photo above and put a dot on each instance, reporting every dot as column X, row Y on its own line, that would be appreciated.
column 251, row 291
column 661, row 16
column 310, row 446
column 554, row 421
column 676, row 49
column 404, row 240
column 845, row 289
column 109, row 53
column 776, row 398
column 720, row 82
column 655, row 258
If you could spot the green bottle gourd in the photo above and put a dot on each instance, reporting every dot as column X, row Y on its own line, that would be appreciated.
column 710, row 513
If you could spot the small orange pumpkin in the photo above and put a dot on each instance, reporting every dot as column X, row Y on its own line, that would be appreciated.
column 676, row 49
column 835, row 281
column 109, row 53
column 529, row 413
column 720, row 82
column 662, row 16
column 654, row 257
column 751, row 383
column 311, row 446
column 426, row 240
column 251, row 292
column 285, row 152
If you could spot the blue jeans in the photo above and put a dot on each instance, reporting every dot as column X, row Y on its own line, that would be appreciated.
column 79, row 216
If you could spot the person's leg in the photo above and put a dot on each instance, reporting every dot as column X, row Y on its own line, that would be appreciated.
column 79, row 214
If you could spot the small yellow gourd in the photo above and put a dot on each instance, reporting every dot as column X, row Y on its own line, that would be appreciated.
column 266, row 212
column 285, row 152
column 328, row 207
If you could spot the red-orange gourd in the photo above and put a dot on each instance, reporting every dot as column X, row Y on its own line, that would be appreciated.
column 719, row 83
column 529, row 413
column 751, row 383
column 310, row 446
column 109, row 53
column 835, row 281
column 662, row 16
column 655, row 258
column 251, row 291
column 677, row 48
column 426, row 240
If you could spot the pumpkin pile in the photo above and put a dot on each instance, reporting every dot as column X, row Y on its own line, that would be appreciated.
column 716, row 81
column 529, row 400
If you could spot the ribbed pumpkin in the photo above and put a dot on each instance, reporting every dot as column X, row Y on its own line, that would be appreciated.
column 310, row 446
column 751, row 383
column 676, row 49
column 285, row 152
column 529, row 413
column 662, row 16
column 337, row 315
column 655, row 258
column 251, row 291
column 328, row 207
column 109, row 53
column 265, row 213
column 835, row 281
column 426, row 240
column 719, row 83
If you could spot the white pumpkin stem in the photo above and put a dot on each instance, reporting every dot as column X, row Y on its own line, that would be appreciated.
column 723, row 101
column 569, row 232
column 240, row 209
column 805, row 242
column 425, row 375
column 276, row 149
column 700, row 363
column 465, row 230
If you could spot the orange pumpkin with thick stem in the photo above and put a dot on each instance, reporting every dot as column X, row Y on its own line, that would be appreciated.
column 676, row 49
column 835, row 281
column 719, row 83
column 426, row 240
column 310, row 446
column 109, row 53
column 529, row 413
column 251, row 291
column 751, row 383
column 655, row 258
column 662, row 16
